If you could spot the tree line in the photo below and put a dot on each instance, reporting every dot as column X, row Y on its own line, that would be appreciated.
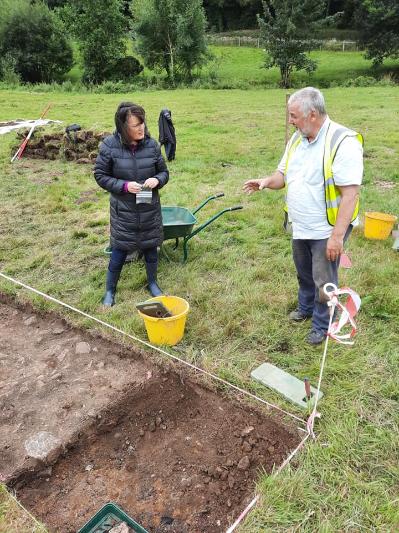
column 37, row 37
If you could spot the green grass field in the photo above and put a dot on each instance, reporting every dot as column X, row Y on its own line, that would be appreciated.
column 246, row 64
column 243, row 68
column 239, row 279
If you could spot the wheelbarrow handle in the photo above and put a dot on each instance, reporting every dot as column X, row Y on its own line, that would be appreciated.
column 203, row 226
column 218, row 195
column 236, row 207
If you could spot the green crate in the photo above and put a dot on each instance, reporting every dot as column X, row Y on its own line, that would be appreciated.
column 108, row 517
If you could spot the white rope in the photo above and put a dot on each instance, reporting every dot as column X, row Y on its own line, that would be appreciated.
column 137, row 339
column 315, row 414
column 34, row 519
column 332, row 303
column 275, row 474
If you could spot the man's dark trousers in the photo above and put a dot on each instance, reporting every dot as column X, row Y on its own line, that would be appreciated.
column 314, row 270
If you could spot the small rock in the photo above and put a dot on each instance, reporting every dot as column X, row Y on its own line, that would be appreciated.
column 141, row 432
column 46, row 473
column 44, row 446
column 245, row 432
column 246, row 447
column 58, row 330
column 158, row 421
column 228, row 503
column 167, row 520
column 270, row 449
column 186, row 482
column 82, row 348
column 61, row 356
column 211, row 470
column 29, row 321
column 89, row 468
column 122, row 527
column 151, row 426
column 231, row 481
column 117, row 435
column 101, row 365
column 244, row 463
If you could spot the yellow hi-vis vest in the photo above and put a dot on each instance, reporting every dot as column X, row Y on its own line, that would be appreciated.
column 334, row 136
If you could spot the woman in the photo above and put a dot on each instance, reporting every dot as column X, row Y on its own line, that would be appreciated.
column 130, row 166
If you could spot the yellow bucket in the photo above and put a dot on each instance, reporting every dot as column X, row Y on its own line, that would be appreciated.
column 378, row 225
column 168, row 330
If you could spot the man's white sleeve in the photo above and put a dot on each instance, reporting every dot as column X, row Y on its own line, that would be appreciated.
column 348, row 163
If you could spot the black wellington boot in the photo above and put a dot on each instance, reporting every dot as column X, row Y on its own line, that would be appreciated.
column 152, row 285
column 110, row 288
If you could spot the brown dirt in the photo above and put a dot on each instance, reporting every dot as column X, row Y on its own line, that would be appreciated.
column 175, row 455
column 81, row 146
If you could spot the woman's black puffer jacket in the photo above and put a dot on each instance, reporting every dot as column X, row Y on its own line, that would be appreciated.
column 133, row 226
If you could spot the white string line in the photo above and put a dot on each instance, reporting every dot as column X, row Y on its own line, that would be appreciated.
column 25, row 510
column 275, row 474
column 311, row 419
column 145, row 343
column 310, row 424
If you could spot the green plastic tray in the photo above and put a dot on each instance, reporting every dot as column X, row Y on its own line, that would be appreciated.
column 107, row 517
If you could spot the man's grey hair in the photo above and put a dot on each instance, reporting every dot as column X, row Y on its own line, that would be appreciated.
column 309, row 99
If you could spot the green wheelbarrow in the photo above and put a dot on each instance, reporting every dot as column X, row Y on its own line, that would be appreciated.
column 178, row 222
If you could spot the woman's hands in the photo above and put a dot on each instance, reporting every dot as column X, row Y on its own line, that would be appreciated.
column 133, row 187
column 151, row 183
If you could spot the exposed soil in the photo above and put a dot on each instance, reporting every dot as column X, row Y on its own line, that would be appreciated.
column 80, row 146
column 175, row 455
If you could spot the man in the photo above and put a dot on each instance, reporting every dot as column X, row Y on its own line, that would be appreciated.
column 322, row 170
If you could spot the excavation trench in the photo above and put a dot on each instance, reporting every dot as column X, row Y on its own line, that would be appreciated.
column 174, row 454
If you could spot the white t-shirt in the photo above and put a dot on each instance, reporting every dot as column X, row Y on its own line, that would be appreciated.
column 305, row 182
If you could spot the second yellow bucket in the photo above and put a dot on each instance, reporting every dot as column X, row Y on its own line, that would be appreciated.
column 168, row 330
column 378, row 225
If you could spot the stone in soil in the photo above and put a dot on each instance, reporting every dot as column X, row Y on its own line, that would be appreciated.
column 160, row 448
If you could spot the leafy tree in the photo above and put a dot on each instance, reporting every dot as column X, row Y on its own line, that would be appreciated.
column 285, row 31
column 232, row 14
column 55, row 3
column 100, row 29
column 170, row 35
column 378, row 21
column 33, row 39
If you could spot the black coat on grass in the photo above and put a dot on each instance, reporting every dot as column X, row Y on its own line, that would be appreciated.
column 133, row 226
column 167, row 134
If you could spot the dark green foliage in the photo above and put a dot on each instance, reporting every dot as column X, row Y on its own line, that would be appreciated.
column 124, row 69
column 52, row 4
column 100, row 29
column 170, row 35
column 33, row 38
column 286, row 31
column 232, row 14
column 378, row 21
